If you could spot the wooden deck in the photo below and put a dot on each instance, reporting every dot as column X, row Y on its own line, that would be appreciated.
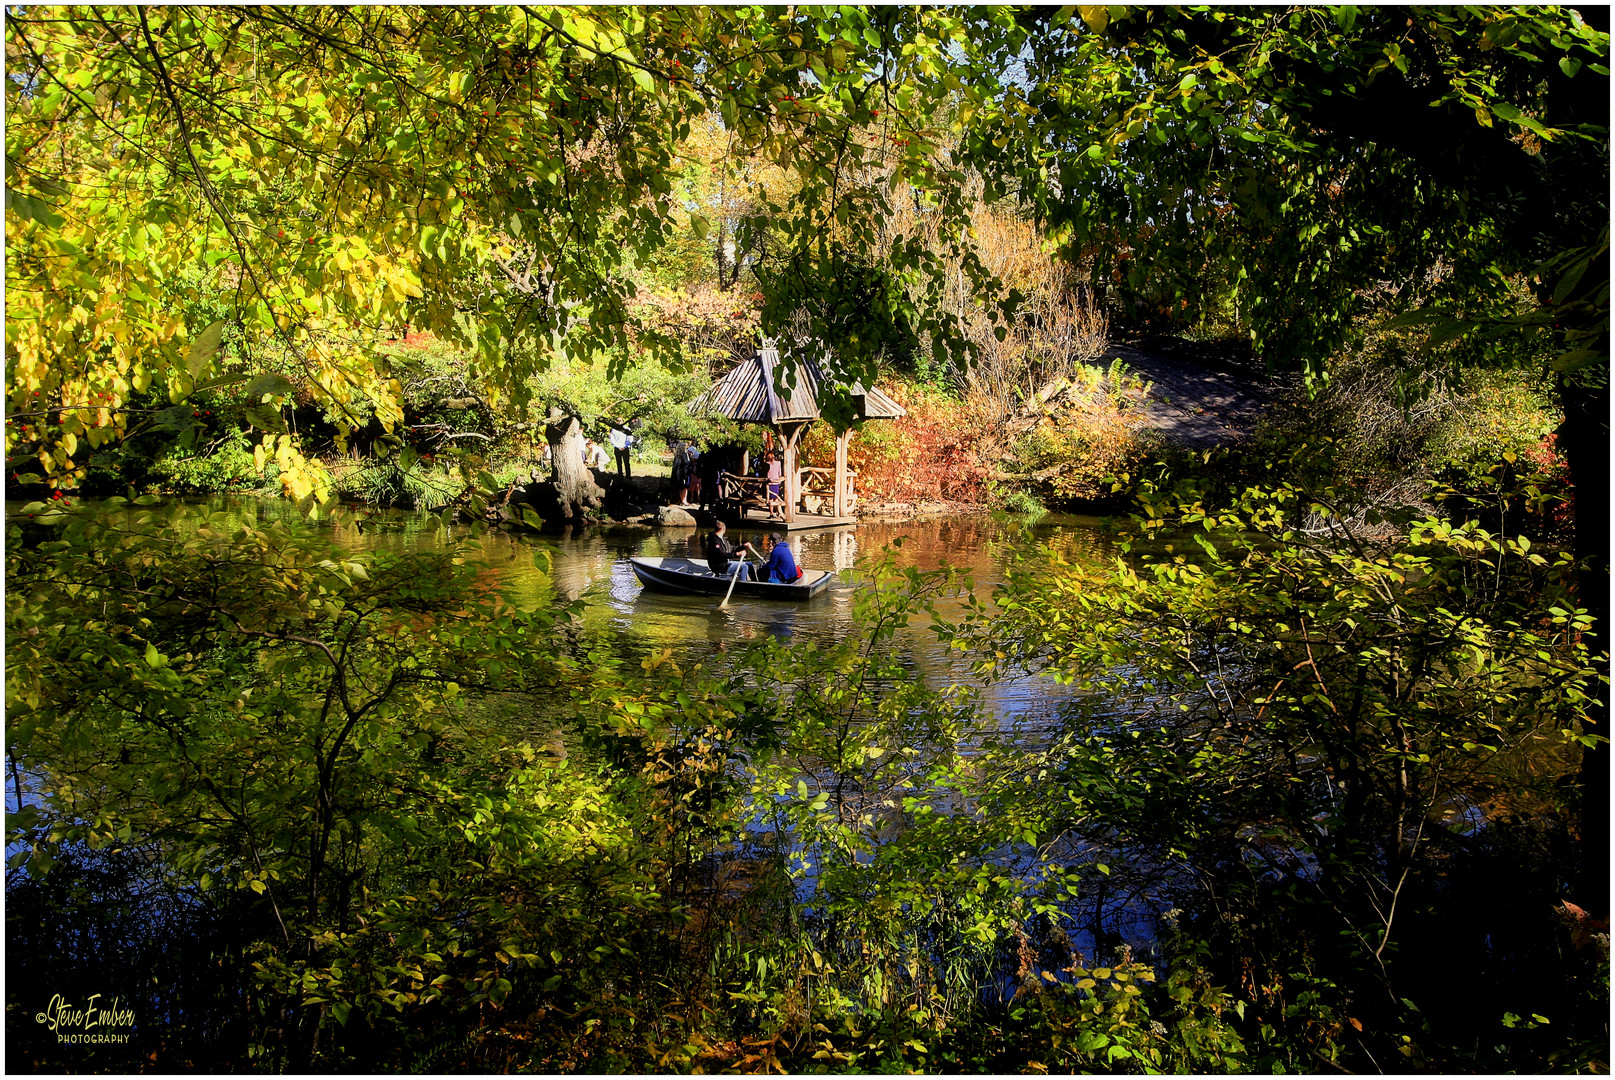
column 760, row 519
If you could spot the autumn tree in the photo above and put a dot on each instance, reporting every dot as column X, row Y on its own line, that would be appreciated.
column 1304, row 154
column 489, row 175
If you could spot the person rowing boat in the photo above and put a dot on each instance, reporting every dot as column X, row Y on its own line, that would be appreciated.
column 719, row 550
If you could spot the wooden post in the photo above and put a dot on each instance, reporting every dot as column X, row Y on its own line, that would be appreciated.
column 839, row 506
column 792, row 485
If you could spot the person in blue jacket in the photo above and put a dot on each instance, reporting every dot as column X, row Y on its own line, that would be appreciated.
column 781, row 564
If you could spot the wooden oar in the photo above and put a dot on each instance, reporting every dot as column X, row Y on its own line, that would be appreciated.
column 734, row 576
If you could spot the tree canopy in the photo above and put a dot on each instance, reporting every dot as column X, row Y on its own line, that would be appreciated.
column 1307, row 157
column 209, row 194
column 332, row 173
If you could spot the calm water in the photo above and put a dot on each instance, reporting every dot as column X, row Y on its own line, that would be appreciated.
column 592, row 566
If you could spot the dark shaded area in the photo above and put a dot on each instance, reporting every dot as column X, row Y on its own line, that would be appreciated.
column 103, row 923
column 1201, row 395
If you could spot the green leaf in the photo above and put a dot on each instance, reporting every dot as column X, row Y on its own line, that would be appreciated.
column 203, row 348
column 32, row 209
column 222, row 380
column 265, row 418
column 1578, row 359
column 269, row 384
column 1420, row 317
column 1451, row 330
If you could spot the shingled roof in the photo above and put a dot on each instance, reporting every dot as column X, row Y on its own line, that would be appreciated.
column 747, row 393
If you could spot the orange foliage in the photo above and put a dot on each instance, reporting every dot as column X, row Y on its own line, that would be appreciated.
column 929, row 455
column 718, row 328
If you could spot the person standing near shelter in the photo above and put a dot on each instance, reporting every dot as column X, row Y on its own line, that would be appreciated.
column 692, row 471
column 621, row 443
column 707, row 470
column 776, row 477
column 681, row 473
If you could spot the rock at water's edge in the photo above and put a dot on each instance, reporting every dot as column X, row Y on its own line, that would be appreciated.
column 673, row 515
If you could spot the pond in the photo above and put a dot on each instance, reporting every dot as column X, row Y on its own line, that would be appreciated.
column 591, row 566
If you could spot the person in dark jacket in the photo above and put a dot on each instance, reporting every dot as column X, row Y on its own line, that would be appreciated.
column 781, row 565
column 707, row 468
column 718, row 551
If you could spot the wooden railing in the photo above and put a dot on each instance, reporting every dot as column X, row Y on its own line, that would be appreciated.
column 746, row 492
column 816, row 485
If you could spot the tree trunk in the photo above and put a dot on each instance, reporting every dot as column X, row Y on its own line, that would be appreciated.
column 574, row 481
column 1584, row 438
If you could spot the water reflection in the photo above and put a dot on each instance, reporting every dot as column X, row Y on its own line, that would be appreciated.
column 592, row 566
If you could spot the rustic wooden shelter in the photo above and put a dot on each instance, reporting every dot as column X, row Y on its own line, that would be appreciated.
column 748, row 394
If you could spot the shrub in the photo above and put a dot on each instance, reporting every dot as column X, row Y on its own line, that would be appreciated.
column 1383, row 425
column 227, row 463
column 1086, row 436
column 930, row 454
column 1016, row 501
column 422, row 485
column 1502, row 415
column 1077, row 462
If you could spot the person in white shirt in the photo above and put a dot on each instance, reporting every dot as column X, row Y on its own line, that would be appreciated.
column 621, row 443
column 594, row 455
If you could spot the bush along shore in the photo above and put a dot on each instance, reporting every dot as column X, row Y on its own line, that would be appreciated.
column 1079, row 442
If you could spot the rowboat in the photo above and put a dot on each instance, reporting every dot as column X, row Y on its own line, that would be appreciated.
column 689, row 576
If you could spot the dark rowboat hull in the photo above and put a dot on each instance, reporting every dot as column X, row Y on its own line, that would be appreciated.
column 688, row 576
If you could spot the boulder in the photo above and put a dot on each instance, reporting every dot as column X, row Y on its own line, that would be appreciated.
column 674, row 515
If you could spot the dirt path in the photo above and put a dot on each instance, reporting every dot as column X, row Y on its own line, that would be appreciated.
column 1197, row 402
